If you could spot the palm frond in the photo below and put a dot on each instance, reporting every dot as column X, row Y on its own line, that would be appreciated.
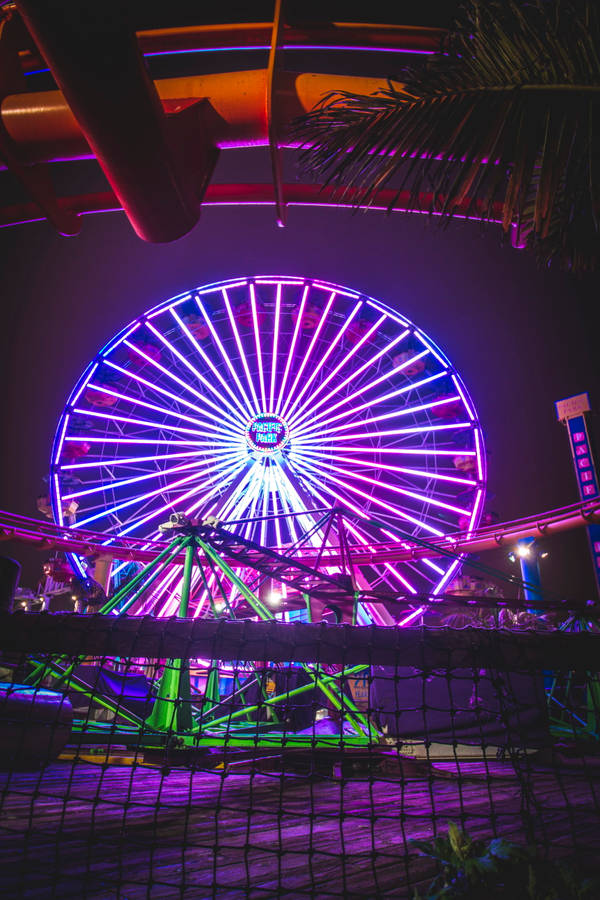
column 507, row 112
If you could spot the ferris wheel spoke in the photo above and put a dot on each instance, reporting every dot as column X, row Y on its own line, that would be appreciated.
column 132, row 460
column 259, row 360
column 176, row 379
column 394, row 432
column 274, row 353
column 157, row 473
column 238, row 414
column 306, row 356
column 369, row 404
column 309, row 470
column 401, row 470
column 292, row 348
column 330, row 350
column 421, row 498
column 177, row 398
column 176, row 501
column 395, row 414
column 233, row 441
column 243, row 359
column 310, row 406
column 162, row 410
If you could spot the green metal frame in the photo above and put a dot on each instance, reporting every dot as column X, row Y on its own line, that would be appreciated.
column 176, row 719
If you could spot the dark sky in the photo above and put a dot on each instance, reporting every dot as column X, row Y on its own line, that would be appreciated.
column 521, row 337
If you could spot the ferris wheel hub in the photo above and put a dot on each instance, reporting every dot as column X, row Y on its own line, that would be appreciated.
column 267, row 433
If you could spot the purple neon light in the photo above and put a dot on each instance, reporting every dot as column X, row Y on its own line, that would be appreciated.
column 177, row 398
column 127, row 461
column 186, row 362
column 422, row 473
column 352, row 410
column 346, row 359
column 175, row 429
column 310, row 407
column 240, row 413
column 158, row 473
column 405, row 411
column 423, row 498
column 308, row 353
column 275, row 347
column 225, row 356
column 163, row 410
column 244, row 361
column 175, row 378
column 332, row 346
column 291, row 351
column 147, row 496
column 162, row 509
column 385, row 377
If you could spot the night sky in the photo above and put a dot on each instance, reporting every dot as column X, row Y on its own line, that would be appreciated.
column 522, row 337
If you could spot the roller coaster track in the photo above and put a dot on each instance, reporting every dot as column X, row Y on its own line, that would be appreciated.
column 47, row 536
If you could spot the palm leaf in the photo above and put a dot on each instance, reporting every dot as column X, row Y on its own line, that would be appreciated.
column 508, row 112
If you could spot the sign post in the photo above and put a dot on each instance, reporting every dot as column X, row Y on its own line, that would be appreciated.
column 572, row 413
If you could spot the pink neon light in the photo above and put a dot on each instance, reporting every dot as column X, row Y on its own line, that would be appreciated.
column 148, row 475
column 178, row 399
column 166, row 412
column 384, row 377
column 423, row 498
column 422, row 473
column 261, row 375
column 207, row 360
column 333, row 373
column 223, row 352
column 292, row 348
column 136, row 459
column 405, row 411
column 240, row 347
column 478, row 453
column 395, row 431
column 408, row 451
column 326, row 356
column 146, row 424
column 176, row 378
column 311, row 407
column 375, row 400
column 275, row 346
column 410, row 617
column 308, row 353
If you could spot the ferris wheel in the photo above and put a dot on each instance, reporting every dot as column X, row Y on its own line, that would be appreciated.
column 262, row 402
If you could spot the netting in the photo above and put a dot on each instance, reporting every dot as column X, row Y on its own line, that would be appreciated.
column 146, row 758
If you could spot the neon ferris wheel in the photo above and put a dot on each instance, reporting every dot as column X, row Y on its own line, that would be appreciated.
column 262, row 402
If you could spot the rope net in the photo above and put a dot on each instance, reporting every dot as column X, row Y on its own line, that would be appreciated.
column 147, row 758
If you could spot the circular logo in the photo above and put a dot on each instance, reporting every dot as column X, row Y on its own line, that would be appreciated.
column 267, row 433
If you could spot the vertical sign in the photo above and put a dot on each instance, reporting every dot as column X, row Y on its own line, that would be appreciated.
column 572, row 412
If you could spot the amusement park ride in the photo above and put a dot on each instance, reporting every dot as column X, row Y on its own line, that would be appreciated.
column 269, row 446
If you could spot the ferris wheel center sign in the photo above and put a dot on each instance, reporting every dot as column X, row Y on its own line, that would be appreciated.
column 267, row 433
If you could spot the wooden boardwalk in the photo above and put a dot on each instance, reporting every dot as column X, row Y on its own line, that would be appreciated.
column 82, row 830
